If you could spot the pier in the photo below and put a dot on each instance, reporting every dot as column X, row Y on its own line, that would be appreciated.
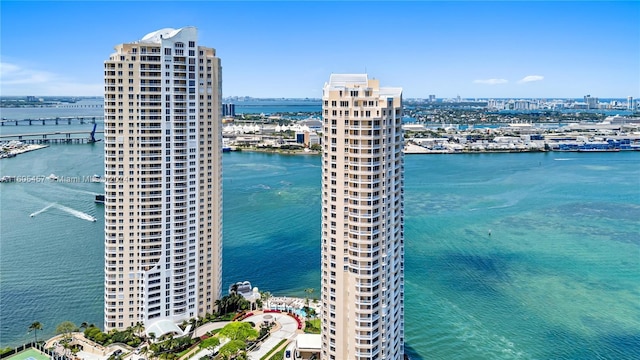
column 53, row 121
column 58, row 137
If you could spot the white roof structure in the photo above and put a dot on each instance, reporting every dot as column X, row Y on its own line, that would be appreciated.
column 338, row 81
column 342, row 81
column 166, row 33
column 308, row 342
column 163, row 327
column 390, row 92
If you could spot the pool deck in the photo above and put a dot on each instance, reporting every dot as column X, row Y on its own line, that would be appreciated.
column 287, row 328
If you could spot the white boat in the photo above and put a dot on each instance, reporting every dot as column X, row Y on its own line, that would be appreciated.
column 53, row 177
column 96, row 178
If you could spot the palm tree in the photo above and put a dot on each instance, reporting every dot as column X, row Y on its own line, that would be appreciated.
column 234, row 288
column 35, row 327
column 308, row 312
column 138, row 328
column 194, row 324
column 219, row 306
column 265, row 296
column 144, row 351
column 308, row 291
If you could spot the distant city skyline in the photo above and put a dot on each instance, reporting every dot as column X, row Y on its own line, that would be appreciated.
column 286, row 49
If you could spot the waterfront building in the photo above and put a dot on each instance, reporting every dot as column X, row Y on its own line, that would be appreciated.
column 592, row 102
column 630, row 103
column 163, row 216
column 362, row 220
column 229, row 110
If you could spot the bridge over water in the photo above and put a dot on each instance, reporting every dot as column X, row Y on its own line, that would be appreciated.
column 58, row 137
column 53, row 120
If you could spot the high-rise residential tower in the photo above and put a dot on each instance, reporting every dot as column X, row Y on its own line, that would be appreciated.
column 362, row 220
column 163, row 216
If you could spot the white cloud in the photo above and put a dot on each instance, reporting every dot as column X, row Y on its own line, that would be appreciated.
column 17, row 80
column 530, row 78
column 11, row 74
column 490, row 81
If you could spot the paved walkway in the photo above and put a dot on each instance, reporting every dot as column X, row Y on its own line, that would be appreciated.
column 208, row 327
column 288, row 330
column 288, row 327
column 205, row 352
column 205, row 329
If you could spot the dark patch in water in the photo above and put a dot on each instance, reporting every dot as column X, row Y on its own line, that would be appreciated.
column 476, row 273
column 566, row 345
column 622, row 346
column 626, row 212
column 520, row 223
column 626, row 237
column 409, row 351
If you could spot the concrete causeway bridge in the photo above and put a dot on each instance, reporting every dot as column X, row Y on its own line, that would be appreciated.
column 53, row 120
column 58, row 137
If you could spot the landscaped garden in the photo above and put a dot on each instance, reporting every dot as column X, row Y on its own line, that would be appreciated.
column 233, row 341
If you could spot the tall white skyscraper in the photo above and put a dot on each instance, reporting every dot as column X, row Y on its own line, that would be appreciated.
column 592, row 102
column 362, row 220
column 163, row 188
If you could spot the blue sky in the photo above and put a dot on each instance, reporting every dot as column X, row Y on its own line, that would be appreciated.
column 288, row 49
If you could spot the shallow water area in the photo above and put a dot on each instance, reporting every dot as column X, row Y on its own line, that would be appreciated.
column 508, row 256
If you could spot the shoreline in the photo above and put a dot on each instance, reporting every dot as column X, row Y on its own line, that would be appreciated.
column 423, row 151
column 21, row 150
column 278, row 151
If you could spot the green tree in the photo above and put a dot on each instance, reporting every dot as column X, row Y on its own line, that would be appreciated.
column 242, row 331
column 232, row 348
column 210, row 343
column 35, row 326
column 66, row 328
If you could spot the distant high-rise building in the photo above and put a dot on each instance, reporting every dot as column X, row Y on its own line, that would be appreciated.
column 229, row 109
column 362, row 220
column 592, row 102
column 630, row 103
column 163, row 187
column 432, row 98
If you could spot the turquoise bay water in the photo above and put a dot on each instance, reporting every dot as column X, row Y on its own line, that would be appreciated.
column 508, row 256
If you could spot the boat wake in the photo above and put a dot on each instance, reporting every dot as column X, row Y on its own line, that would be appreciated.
column 76, row 213
column 82, row 191
column 42, row 210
